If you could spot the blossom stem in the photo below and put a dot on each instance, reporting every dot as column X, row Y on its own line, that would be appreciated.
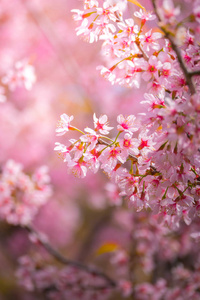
column 74, row 128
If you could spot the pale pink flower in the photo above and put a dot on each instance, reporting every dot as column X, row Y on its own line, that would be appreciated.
column 90, row 4
column 127, row 124
column 41, row 176
column 101, row 124
column 78, row 149
column 168, row 11
column 86, row 30
column 113, row 194
column 127, row 183
column 63, row 151
column 104, row 28
column 152, row 67
column 77, row 168
column 22, row 75
column 91, row 159
column 107, row 74
column 108, row 11
column 156, row 88
column 64, row 124
column 125, row 287
column 145, row 141
column 137, row 202
column 149, row 40
column 153, row 102
column 79, row 15
column 22, row 195
column 145, row 15
column 166, row 70
column 129, row 145
column 110, row 157
column 128, row 28
column 91, row 138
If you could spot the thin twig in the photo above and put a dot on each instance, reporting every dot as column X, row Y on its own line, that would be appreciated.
column 59, row 257
column 194, row 73
column 187, row 74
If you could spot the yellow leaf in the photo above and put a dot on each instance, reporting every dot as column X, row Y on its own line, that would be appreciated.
column 137, row 3
column 106, row 248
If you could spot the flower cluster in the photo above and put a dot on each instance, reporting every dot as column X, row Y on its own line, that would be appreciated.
column 22, row 75
column 154, row 263
column 133, row 53
column 21, row 195
column 64, row 283
column 164, row 160
column 163, row 171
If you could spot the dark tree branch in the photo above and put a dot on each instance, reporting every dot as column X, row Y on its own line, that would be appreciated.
column 194, row 73
column 59, row 257
column 188, row 75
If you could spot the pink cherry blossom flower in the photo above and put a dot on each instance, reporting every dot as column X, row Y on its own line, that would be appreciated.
column 91, row 138
column 129, row 144
column 107, row 73
column 110, row 157
column 126, row 288
column 78, row 15
column 63, row 151
column 144, row 15
column 22, row 75
column 91, row 159
column 77, row 168
column 127, row 184
column 90, row 4
column 166, row 70
column 22, row 195
column 152, row 68
column 128, row 28
column 103, row 29
column 168, row 11
column 64, row 124
column 149, row 40
column 127, row 124
column 101, row 124
column 145, row 141
column 87, row 31
column 156, row 88
column 153, row 102
column 108, row 11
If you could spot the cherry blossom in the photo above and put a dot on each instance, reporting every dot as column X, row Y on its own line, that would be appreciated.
column 101, row 124
column 21, row 195
column 132, row 229
column 22, row 75
column 127, row 124
column 64, row 124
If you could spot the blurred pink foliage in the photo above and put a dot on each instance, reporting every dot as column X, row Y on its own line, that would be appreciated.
column 64, row 237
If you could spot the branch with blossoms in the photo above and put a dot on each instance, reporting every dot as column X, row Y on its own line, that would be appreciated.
column 39, row 239
column 154, row 157
column 21, row 198
column 168, row 34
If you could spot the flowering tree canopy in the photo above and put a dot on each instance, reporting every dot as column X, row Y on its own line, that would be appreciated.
column 130, row 106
